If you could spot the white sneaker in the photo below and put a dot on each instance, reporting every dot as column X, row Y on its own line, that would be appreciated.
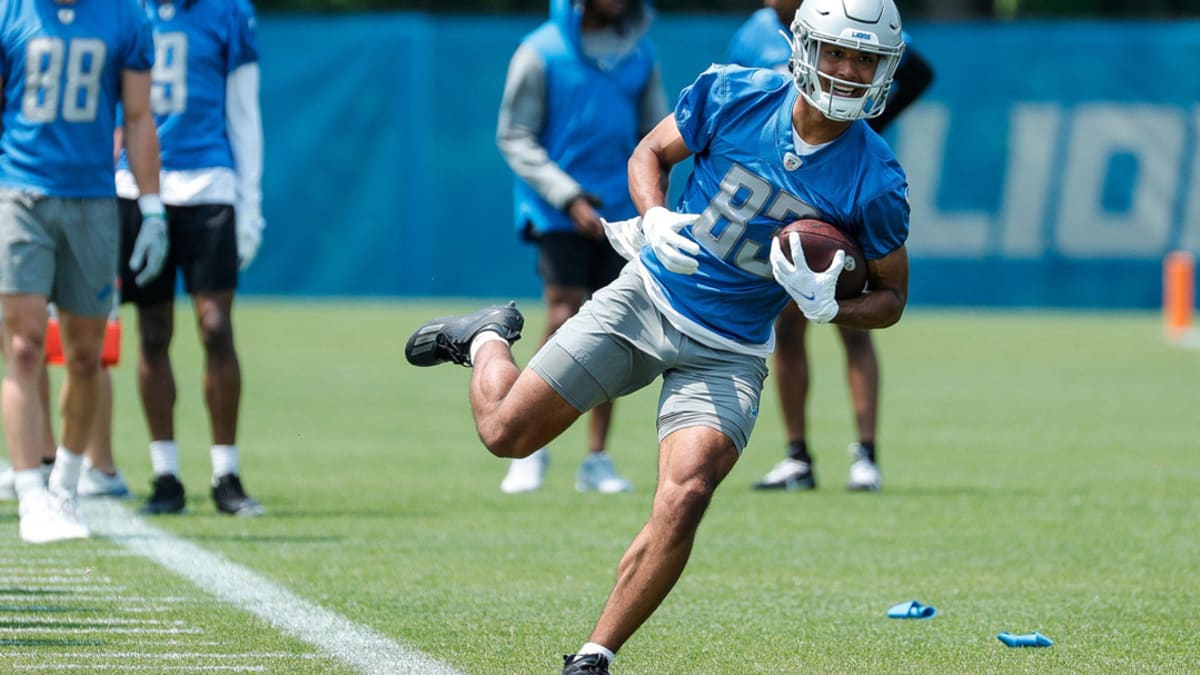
column 8, row 489
column 47, row 517
column 864, row 474
column 597, row 474
column 526, row 474
column 95, row 483
column 788, row 474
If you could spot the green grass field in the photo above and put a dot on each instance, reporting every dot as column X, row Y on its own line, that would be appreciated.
column 1042, row 473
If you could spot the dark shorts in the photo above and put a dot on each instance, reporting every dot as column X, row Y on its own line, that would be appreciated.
column 203, row 248
column 575, row 261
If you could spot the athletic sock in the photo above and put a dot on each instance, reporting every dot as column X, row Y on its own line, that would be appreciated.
column 593, row 648
column 65, row 476
column 224, row 461
column 868, row 449
column 164, row 458
column 483, row 338
column 798, row 450
column 27, row 481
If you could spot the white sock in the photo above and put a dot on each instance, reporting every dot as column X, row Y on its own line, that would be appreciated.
column 65, row 476
column 593, row 648
column 224, row 460
column 483, row 338
column 27, row 481
column 164, row 458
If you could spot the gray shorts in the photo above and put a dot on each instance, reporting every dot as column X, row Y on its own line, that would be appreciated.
column 619, row 342
column 63, row 248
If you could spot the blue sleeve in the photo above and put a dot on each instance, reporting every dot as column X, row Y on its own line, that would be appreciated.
column 138, row 53
column 700, row 104
column 243, row 40
column 884, row 222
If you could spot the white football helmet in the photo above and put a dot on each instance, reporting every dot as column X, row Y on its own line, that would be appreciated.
column 864, row 25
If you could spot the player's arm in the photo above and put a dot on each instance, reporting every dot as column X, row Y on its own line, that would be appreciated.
column 141, row 147
column 243, row 124
column 522, row 118
column 883, row 304
column 651, row 162
column 140, row 134
column 912, row 78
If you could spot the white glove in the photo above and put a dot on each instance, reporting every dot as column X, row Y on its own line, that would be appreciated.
column 625, row 236
column 675, row 251
column 249, row 235
column 812, row 291
column 150, row 247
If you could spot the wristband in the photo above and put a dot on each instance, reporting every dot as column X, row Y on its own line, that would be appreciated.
column 150, row 205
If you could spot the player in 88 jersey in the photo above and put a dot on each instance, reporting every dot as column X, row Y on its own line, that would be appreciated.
column 765, row 41
column 65, row 66
column 698, row 304
column 205, row 100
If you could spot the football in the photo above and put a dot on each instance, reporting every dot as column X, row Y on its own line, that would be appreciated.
column 821, row 241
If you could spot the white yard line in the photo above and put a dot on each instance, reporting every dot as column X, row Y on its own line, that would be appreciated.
column 358, row 646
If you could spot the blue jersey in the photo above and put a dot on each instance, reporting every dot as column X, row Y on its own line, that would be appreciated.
column 62, row 65
column 197, row 44
column 747, row 181
column 759, row 44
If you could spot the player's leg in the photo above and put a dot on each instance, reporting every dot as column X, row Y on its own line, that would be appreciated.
column 795, row 472
column 208, row 262
column 862, row 374
column 81, row 395
column 692, row 462
column 707, row 411
column 155, row 302
column 29, row 226
column 101, row 477
column 84, row 288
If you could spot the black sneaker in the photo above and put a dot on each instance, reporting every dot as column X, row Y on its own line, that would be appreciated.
column 228, row 495
column 449, row 338
column 166, row 496
column 595, row 664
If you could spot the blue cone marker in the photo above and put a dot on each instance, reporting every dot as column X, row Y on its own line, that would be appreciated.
column 1034, row 639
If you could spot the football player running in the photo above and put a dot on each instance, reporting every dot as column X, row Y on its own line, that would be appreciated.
column 764, row 41
column 205, row 100
column 698, row 304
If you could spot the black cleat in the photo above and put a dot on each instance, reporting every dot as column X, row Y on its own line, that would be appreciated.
column 166, row 496
column 228, row 495
column 591, row 664
column 449, row 338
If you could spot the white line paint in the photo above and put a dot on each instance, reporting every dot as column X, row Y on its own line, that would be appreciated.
column 7, row 620
column 156, row 668
column 358, row 646
column 170, row 656
column 58, row 630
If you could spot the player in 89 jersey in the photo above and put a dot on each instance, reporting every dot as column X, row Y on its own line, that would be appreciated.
column 697, row 304
column 205, row 100
column 65, row 66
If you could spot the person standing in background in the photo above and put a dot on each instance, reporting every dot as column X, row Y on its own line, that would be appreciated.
column 581, row 90
column 764, row 41
column 205, row 100
column 65, row 67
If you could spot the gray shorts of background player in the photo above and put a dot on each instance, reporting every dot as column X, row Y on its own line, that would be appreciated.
column 203, row 248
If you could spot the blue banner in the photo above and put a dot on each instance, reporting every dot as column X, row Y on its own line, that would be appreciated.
column 1051, row 164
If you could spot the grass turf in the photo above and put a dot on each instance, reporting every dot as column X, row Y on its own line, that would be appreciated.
column 1040, row 471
